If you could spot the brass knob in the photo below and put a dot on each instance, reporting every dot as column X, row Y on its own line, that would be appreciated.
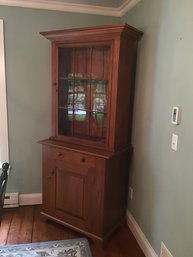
column 83, row 159
column 52, row 172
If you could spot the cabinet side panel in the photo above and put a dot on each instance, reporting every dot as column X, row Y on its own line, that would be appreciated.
column 95, row 204
column 124, row 94
column 115, row 199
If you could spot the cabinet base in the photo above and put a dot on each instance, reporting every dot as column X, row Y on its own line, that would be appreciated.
column 97, row 240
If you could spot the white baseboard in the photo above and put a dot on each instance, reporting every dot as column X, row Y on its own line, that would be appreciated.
column 140, row 236
column 11, row 200
column 30, row 199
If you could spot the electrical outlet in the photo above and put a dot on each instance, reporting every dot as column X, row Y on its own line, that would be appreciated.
column 174, row 143
column 131, row 193
column 164, row 251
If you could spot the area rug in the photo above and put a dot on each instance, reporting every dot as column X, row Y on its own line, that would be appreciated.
column 62, row 248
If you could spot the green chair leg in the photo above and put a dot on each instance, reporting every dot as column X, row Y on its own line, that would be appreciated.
column 3, row 185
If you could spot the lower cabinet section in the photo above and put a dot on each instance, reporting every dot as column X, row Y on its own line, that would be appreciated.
column 85, row 191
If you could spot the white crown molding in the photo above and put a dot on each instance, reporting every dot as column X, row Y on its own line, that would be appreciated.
column 126, row 6
column 67, row 7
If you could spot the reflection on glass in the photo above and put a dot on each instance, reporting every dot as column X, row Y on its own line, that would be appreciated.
column 99, row 119
column 79, row 101
column 76, row 99
column 99, row 103
column 78, row 115
column 70, row 101
column 100, row 87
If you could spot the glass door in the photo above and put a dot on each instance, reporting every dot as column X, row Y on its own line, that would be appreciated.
column 82, row 92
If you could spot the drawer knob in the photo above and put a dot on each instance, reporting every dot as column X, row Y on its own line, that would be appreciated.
column 59, row 153
column 83, row 159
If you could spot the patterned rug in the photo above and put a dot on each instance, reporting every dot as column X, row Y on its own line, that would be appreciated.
column 63, row 248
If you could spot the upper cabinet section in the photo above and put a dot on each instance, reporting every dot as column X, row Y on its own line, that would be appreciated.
column 83, row 77
column 92, row 76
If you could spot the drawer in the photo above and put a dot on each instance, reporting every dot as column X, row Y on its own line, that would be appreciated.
column 71, row 159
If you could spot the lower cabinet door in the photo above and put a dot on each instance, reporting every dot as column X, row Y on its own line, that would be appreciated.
column 71, row 195
column 72, row 190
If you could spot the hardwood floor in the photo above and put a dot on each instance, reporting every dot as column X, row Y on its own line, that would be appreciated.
column 25, row 225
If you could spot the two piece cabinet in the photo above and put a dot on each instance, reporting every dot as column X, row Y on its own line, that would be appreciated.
column 86, row 159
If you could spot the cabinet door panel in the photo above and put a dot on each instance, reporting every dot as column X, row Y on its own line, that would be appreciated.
column 70, row 193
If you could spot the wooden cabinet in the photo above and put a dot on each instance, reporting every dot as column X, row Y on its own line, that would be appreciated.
column 86, row 159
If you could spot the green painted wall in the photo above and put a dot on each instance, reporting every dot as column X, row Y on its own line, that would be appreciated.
column 161, row 178
column 28, row 73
